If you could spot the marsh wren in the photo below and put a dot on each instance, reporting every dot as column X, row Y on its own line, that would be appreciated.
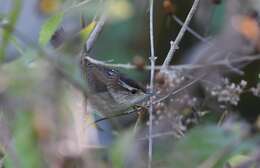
column 111, row 92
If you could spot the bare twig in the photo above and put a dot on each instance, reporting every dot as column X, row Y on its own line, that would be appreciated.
column 138, row 121
column 151, row 108
column 159, row 135
column 174, row 45
column 125, row 66
column 195, row 34
column 116, row 115
column 243, row 59
column 96, row 32
column 77, row 5
column 222, row 118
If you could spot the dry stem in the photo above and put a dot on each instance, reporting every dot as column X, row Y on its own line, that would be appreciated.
column 151, row 107
column 174, row 45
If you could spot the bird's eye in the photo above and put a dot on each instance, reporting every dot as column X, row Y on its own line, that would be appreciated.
column 134, row 91
column 111, row 72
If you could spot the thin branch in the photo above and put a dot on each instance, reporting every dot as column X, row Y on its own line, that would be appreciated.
column 174, row 45
column 116, row 115
column 125, row 66
column 159, row 135
column 242, row 59
column 96, row 32
column 195, row 34
column 77, row 5
column 151, row 108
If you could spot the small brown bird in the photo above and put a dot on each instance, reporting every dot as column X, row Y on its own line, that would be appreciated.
column 111, row 92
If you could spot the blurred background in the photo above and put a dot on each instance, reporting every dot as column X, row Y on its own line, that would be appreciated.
column 44, row 121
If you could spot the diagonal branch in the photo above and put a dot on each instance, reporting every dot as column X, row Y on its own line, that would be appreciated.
column 174, row 45
column 77, row 5
column 190, row 30
column 96, row 32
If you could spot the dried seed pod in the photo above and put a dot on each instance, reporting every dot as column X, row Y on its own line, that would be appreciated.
column 139, row 62
column 168, row 7
column 248, row 27
column 49, row 6
column 160, row 78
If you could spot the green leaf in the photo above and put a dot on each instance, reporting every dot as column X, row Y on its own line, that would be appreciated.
column 25, row 140
column 25, row 143
column 49, row 27
column 85, row 32
column 237, row 160
column 7, row 31
column 200, row 145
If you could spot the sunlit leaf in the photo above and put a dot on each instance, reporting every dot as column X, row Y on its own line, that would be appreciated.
column 120, row 10
column 85, row 32
column 49, row 27
column 237, row 160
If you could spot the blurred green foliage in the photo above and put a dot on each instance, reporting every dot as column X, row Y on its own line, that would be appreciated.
column 11, row 19
column 204, row 146
column 120, row 151
column 122, row 39
column 25, row 142
column 49, row 27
